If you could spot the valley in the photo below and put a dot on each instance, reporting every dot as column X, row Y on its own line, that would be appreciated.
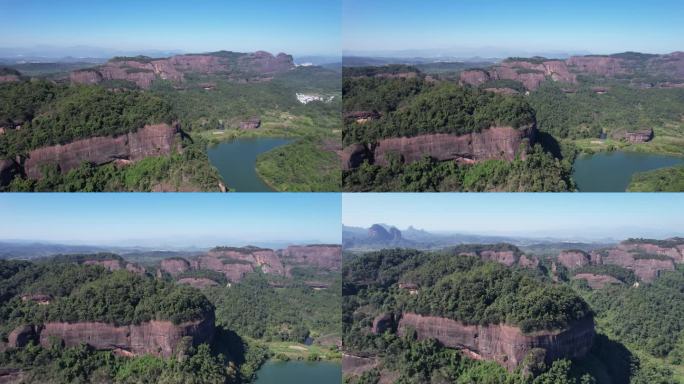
column 147, row 124
column 212, row 316
column 496, row 313
column 520, row 124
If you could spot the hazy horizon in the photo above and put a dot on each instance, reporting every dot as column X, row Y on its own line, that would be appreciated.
column 302, row 27
column 587, row 216
column 500, row 28
column 171, row 220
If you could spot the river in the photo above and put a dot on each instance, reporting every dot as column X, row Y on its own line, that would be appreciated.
column 612, row 171
column 236, row 161
column 299, row 372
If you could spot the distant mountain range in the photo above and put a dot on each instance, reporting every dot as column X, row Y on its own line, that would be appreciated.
column 379, row 236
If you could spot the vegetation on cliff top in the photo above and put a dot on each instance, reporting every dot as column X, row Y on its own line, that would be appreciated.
column 52, row 114
column 90, row 293
column 370, row 287
column 412, row 107
column 540, row 172
column 186, row 171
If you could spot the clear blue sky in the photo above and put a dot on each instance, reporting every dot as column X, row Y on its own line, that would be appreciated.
column 597, row 26
column 187, row 219
column 292, row 26
column 587, row 215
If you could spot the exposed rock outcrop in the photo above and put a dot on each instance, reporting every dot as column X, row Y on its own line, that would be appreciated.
column 598, row 65
column 382, row 323
column 502, row 343
column 354, row 155
column 641, row 136
column 674, row 248
column 530, row 74
column 143, row 71
column 573, row 259
column 647, row 258
column 325, row 256
column 378, row 233
column 158, row 338
column 493, row 143
column 116, row 264
column 356, row 365
column 174, row 266
column 151, row 140
column 21, row 336
column 234, row 263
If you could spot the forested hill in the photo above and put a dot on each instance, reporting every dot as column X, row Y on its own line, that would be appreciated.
column 48, row 114
column 410, row 106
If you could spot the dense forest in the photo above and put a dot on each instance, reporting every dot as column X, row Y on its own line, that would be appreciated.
column 411, row 107
column 292, row 313
column 84, row 293
column 593, row 115
column 540, row 172
column 54, row 114
column 249, row 315
column 476, row 291
column 586, row 114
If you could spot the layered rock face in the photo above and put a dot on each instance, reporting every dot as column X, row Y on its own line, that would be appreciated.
column 144, row 71
column 116, row 264
column 493, row 143
column 151, row 140
column 528, row 73
column 639, row 136
column 502, row 343
column 175, row 266
column 234, row 263
column 674, row 250
column 646, row 258
column 604, row 66
column 317, row 256
column 158, row 338
column 574, row 259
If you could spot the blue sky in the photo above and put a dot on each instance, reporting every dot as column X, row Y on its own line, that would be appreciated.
column 596, row 26
column 293, row 26
column 177, row 219
column 566, row 216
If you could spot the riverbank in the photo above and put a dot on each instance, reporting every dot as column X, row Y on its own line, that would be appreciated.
column 668, row 140
column 286, row 351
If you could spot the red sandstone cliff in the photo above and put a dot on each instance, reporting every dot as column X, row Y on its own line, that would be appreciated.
column 598, row 65
column 502, row 343
column 151, row 140
column 144, row 71
column 492, row 143
column 646, row 259
column 158, row 338
column 317, row 256
column 574, row 259
column 235, row 263
column 528, row 73
column 175, row 266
